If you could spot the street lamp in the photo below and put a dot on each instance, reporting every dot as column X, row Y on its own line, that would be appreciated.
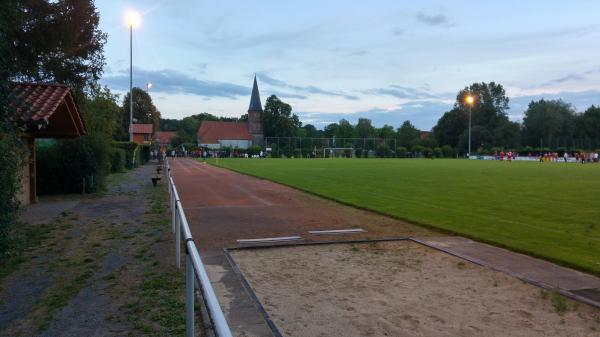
column 133, row 19
column 148, row 87
column 469, row 100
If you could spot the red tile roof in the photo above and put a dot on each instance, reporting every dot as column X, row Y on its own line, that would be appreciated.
column 142, row 128
column 164, row 137
column 35, row 103
column 212, row 132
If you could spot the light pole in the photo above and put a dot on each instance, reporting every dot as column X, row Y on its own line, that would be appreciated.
column 148, row 87
column 469, row 100
column 133, row 19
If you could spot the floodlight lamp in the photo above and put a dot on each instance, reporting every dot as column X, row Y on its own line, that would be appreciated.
column 470, row 99
column 133, row 19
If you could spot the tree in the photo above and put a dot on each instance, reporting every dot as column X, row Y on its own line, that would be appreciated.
column 590, row 123
column 101, row 111
column 58, row 41
column 488, row 112
column 188, row 128
column 344, row 130
column 386, row 131
column 144, row 112
column 167, row 124
column 278, row 120
column 450, row 126
column 364, row 128
column 406, row 133
column 548, row 121
column 311, row 131
column 330, row 130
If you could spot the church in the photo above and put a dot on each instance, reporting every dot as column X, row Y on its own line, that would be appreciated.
column 237, row 135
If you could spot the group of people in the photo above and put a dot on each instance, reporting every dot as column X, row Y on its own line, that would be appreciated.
column 544, row 157
column 508, row 156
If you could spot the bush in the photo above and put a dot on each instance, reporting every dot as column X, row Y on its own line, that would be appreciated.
column 144, row 157
column 448, row 151
column 69, row 164
column 401, row 152
column 10, row 162
column 254, row 150
column 117, row 160
column 359, row 152
column 383, row 151
column 437, row 152
column 129, row 148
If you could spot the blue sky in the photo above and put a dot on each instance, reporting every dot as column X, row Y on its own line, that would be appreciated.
column 385, row 60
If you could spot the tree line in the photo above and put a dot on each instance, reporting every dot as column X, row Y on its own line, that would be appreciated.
column 546, row 125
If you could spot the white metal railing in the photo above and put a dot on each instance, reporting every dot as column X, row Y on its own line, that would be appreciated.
column 194, row 269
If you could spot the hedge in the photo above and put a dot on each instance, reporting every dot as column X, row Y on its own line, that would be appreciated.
column 73, row 166
column 117, row 160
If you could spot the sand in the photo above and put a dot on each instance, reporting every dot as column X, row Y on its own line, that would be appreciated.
column 401, row 288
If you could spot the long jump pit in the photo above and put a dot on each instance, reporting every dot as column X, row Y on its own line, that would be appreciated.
column 399, row 288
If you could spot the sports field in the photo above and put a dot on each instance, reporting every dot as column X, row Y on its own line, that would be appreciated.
column 551, row 210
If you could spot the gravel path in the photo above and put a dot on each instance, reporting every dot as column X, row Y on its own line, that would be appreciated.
column 76, row 281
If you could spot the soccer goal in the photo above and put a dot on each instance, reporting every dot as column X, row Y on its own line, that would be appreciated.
column 338, row 152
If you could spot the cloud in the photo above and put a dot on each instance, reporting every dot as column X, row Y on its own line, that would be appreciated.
column 174, row 82
column 572, row 77
column 398, row 31
column 264, row 78
column 434, row 20
column 580, row 100
column 401, row 92
column 423, row 115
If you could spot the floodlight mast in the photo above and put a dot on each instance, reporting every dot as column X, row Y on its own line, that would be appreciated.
column 469, row 100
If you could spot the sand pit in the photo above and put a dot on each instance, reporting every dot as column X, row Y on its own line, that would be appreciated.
column 400, row 288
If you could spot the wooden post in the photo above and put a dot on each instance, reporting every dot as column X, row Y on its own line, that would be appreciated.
column 32, row 171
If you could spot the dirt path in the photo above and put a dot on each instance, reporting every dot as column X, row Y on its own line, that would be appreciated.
column 223, row 206
column 100, row 266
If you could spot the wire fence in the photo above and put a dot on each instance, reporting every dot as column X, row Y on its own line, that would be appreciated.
column 299, row 147
column 194, row 268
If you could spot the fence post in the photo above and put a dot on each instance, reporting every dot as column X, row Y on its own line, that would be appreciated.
column 177, row 240
column 189, row 296
column 173, row 210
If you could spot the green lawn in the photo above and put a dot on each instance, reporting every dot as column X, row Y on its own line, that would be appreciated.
column 550, row 210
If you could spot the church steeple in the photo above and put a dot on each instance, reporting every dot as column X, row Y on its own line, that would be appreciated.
column 255, row 104
column 254, row 116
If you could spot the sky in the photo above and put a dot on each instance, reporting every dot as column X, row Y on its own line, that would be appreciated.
column 389, row 61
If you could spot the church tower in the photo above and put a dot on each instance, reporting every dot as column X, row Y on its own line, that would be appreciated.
column 254, row 116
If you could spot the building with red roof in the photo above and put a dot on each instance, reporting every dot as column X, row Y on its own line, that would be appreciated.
column 164, row 137
column 44, row 111
column 237, row 135
column 142, row 133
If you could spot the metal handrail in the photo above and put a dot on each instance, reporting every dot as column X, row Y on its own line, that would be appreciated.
column 194, row 268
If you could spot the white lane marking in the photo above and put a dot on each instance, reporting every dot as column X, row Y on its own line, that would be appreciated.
column 281, row 238
column 339, row 231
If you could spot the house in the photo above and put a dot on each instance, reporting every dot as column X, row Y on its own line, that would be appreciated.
column 142, row 133
column 45, row 111
column 425, row 134
column 240, row 135
column 164, row 137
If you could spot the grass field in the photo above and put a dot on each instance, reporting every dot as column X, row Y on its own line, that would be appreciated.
column 550, row 210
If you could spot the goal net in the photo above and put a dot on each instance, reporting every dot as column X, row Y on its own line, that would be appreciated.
column 338, row 152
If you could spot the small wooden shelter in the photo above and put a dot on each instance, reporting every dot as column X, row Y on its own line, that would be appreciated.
column 45, row 111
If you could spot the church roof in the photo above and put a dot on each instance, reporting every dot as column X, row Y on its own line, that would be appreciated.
column 255, row 104
column 211, row 132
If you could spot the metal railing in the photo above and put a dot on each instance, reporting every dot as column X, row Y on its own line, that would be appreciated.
column 194, row 269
